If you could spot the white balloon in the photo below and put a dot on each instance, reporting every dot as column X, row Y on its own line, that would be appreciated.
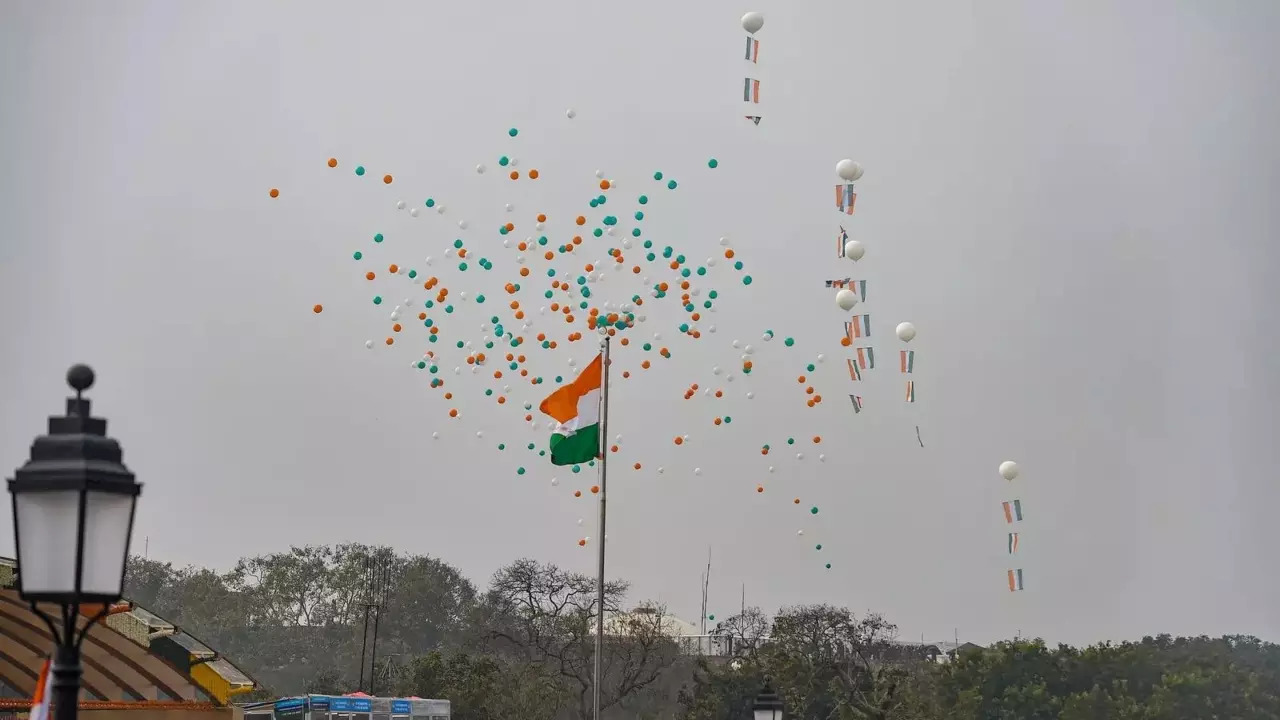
column 600, row 173
column 1008, row 470
column 736, row 344
column 428, row 260
column 479, row 433
column 854, row 250
column 697, row 471
column 462, row 224
column 848, row 170
column 822, row 457
column 435, row 436
column 537, row 226
column 799, row 456
column 800, row 532
column 440, row 209
column 413, row 212
column 724, row 242
column 750, row 395
column 579, row 522
column 554, row 482
column 399, row 204
column 570, row 113
column 752, row 22
column 906, row 331
column 660, row 470
column 711, row 328
column 821, row 357
column 846, row 299
column 368, row 344
column 509, row 207
column 515, row 162
column 480, row 168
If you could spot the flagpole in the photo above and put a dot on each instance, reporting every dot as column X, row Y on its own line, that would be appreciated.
column 604, row 458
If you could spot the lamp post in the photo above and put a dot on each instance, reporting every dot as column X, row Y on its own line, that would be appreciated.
column 73, row 505
column 768, row 706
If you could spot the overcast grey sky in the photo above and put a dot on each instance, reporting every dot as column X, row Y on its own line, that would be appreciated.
column 1073, row 202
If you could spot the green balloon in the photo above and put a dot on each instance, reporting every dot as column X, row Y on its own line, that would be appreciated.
column 513, row 132
column 713, row 163
column 377, row 299
column 789, row 342
column 671, row 185
column 746, row 279
column 813, row 510
column 377, row 238
column 359, row 170
column 657, row 175
column 357, row 255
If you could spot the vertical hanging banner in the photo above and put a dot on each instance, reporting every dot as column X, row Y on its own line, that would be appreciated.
column 1012, row 516
column 851, row 292
column 752, row 22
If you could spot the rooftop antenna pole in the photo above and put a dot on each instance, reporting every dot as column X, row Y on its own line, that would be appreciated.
column 383, row 590
column 367, row 595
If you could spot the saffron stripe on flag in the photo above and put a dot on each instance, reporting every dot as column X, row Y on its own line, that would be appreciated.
column 907, row 360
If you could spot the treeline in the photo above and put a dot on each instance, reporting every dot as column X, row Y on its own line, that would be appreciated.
column 522, row 647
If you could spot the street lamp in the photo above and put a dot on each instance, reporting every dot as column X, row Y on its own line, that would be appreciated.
column 768, row 706
column 73, row 505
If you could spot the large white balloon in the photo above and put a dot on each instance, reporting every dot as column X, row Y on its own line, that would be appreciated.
column 906, row 331
column 846, row 299
column 752, row 22
column 848, row 170
column 1008, row 469
column 854, row 250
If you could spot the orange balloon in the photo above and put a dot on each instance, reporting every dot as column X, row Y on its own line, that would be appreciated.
column 396, row 327
column 533, row 174
column 580, row 220
column 391, row 341
column 679, row 440
column 759, row 488
column 275, row 192
column 515, row 174
column 604, row 184
column 317, row 309
column 453, row 412
column 595, row 489
column 577, row 493
column 369, row 275
column 386, row 179
column 817, row 439
column 637, row 466
column 582, row 543
column 333, row 162
column 393, row 269
column 796, row 501
column 542, row 218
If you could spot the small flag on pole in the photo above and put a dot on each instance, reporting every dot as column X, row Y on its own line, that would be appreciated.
column 40, row 702
column 753, row 49
column 857, row 403
column 751, row 90
column 1012, row 511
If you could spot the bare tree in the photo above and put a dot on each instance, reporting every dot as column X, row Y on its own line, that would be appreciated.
column 544, row 615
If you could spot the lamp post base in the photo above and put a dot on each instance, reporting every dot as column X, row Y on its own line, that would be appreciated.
column 65, row 673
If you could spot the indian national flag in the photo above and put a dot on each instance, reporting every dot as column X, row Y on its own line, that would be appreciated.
column 576, row 407
column 40, row 703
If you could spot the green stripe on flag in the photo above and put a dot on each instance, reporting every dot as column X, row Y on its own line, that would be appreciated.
column 579, row 447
